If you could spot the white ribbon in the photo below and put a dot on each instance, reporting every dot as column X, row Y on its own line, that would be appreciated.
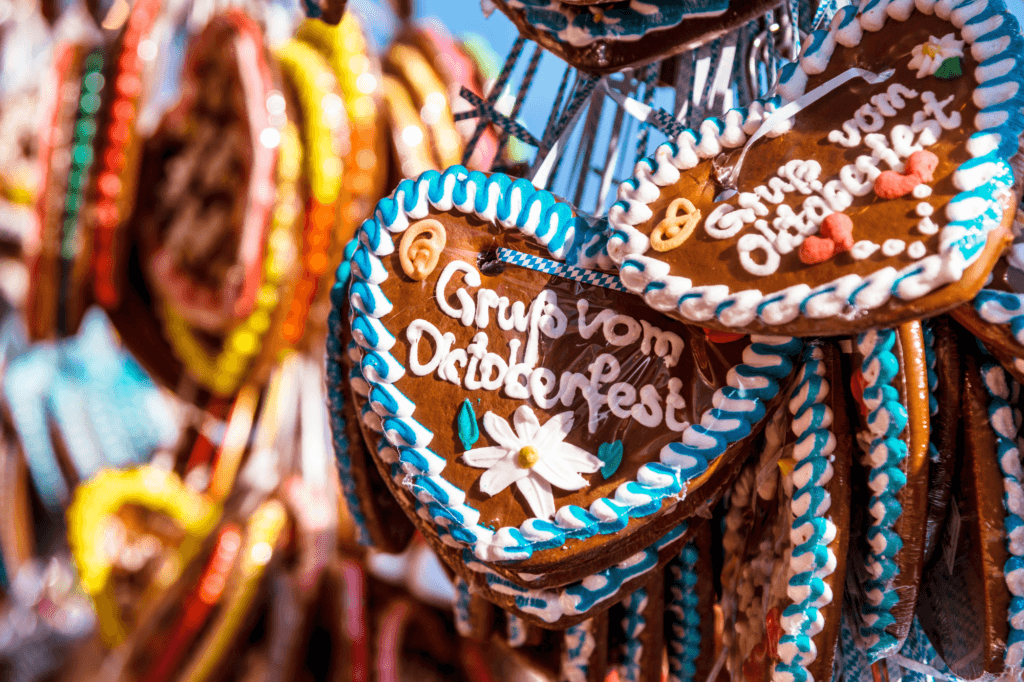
column 731, row 176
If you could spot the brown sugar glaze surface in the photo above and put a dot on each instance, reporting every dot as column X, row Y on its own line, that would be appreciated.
column 702, row 367
column 709, row 261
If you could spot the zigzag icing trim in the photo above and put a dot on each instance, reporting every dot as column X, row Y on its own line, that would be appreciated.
column 578, row 645
column 1006, row 422
column 515, row 630
column 811, row 560
column 578, row 26
column 580, row 597
column 460, row 609
column 633, row 625
column 737, row 407
column 996, row 43
column 683, row 617
column 886, row 420
column 336, row 400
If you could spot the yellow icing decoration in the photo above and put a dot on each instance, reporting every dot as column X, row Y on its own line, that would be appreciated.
column 97, row 500
column 528, row 456
column 325, row 122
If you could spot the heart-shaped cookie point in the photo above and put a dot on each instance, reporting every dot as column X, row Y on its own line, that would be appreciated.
column 591, row 422
column 920, row 162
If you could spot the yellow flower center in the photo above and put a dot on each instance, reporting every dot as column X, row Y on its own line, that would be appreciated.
column 931, row 50
column 528, row 457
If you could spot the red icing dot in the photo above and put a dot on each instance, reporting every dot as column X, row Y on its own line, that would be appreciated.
column 922, row 164
column 816, row 250
column 839, row 228
column 721, row 337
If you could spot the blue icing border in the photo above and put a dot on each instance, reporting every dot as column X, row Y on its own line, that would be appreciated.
column 1006, row 422
column 537, row 213
column 633, row 626
column 999, row 51
column 336, row 378
column 582, row 596
column 624, row 21
column 683, row 616
column 812, row 450
column 886, row 420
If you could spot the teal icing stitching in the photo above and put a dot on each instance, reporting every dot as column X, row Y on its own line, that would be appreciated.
column 886, row 420
column 998, row 127
column 815, row 443
column 1006, row 422
column 466, row 425
column 683, row 617
column 633, row 625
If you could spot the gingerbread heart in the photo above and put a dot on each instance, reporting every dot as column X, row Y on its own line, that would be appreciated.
column 605, row 37
column 871, row 122
column 495, row 364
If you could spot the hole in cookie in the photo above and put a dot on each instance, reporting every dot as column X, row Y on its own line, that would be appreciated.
column 488, row 263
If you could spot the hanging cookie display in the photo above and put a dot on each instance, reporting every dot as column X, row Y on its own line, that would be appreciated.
column 584, row 440
column 605, row 37
column 873, row 189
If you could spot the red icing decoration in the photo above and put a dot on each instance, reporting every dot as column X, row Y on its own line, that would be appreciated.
column 920, row 168
column 857, row 388
column 816, row 250
column 721, row 337
column 755, row 668
column 923, row 165
column 839, row 228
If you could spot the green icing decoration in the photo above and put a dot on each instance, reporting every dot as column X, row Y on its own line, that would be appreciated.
column 950, row 69
column 611, row 455
column 469, row 432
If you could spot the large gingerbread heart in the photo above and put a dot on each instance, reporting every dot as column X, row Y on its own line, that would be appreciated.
column 606, row 37
column 881, row 194
column 531, row 410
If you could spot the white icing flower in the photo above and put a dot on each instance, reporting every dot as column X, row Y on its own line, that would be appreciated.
column 534, row 457
column 928, row 57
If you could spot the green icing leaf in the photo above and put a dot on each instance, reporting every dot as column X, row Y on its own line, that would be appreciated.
column 469, row 432
column 949, row 69
column 611, row 455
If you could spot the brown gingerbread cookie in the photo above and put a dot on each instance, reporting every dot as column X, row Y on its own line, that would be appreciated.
column 571, row 449
column 942, row 357
column 881, row 191
column 606, row 37
column 791, row 506
column 890, row 386
column 970, row 598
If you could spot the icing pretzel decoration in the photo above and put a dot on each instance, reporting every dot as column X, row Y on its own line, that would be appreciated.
column 674, row 229
column 421, row 247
